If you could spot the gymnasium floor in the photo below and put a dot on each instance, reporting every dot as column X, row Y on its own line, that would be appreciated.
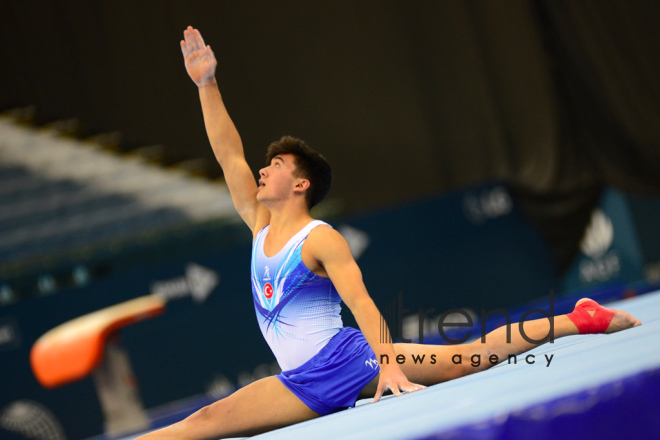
column 596, row 386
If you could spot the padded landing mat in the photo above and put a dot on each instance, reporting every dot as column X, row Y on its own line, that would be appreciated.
column 597, row 386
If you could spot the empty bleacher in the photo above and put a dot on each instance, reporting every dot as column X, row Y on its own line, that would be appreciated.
column 60, row 195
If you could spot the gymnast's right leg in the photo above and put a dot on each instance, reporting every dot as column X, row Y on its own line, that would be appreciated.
column 262, row 406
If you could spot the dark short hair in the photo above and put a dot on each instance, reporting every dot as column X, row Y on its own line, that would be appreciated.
column 310, row 165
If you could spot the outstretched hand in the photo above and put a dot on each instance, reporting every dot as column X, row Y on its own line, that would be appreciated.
column 199, row 58
column 392, row 378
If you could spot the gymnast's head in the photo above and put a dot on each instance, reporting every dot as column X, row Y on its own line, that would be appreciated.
column 309, row 165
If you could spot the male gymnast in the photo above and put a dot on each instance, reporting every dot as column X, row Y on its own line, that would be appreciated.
column 301, row 270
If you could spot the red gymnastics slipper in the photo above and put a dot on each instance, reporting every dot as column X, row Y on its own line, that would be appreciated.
column 591, row 323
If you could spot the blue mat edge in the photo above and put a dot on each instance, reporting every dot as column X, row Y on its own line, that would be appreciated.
column 623, row 408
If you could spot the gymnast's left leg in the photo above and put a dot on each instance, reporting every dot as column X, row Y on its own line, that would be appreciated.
column 436, row 363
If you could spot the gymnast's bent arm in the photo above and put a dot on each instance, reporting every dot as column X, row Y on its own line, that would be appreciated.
column 200, row 64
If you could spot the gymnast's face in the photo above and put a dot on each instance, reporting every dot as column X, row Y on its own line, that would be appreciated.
column 278, row 181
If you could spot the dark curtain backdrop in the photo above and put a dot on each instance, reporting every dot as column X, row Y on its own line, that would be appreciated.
column 406, row 99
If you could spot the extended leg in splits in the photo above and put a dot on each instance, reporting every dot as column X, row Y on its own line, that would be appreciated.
column 438, row 363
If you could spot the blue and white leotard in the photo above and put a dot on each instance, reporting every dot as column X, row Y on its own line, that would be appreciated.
column 298, row 311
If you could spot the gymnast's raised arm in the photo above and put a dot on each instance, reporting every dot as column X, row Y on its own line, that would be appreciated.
column 226, row 143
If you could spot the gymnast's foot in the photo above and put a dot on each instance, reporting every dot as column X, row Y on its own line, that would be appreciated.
column 591, row 318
